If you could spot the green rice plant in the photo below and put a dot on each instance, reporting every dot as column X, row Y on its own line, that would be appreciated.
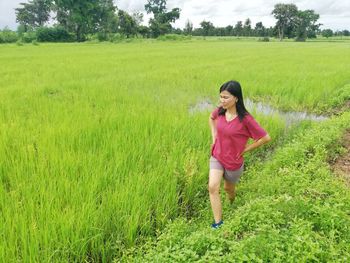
column 98, row 149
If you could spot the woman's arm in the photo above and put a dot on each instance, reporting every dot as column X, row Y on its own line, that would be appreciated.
column 212, row 126
column 257, row 143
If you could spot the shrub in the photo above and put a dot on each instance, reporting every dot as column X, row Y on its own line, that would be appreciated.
column 19, row 43
column 300, row 39
column 8, row 36
column 101, row 36
column 264, row 39
column 173, row 37
column 28, row 37
column 53, row 34
column 116, row 37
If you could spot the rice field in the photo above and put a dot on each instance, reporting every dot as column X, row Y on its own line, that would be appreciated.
column 98, row 149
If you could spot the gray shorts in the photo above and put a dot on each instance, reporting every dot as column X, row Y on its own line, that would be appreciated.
column 229, row 175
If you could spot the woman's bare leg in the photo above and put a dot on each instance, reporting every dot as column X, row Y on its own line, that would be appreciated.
column 230, row 189
column 214, row 190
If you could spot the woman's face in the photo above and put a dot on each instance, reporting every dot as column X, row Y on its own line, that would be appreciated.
column 227, row 100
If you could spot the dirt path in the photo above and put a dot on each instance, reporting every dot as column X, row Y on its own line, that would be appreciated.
column 341, row 166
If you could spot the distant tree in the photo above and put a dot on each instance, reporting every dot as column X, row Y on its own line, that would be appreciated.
column 259, row 29
column 78, row 16
column 271, row 31
column 197, row 32
column 62, row 15
column 161, row 22
column 238, row 29
column 220, row 31
column 306, row 24
column 157, row 28
column 53, row 34
column 127, row 24
column 229, row 30
column 327, row 33
column 285, row 15
column 144, row 31
column 138, row 18
column 247, row 28
column 157, row 7
column 177, row 31
column 338, row 33
column 25, row 16
column 86, row 16
column 141, row 29
column 8, row 36
column 35, row 13
column 21, row 29
column 43, row 8
column 107, row 20
column 188, row 28
column 207, row 28
column 346, row 32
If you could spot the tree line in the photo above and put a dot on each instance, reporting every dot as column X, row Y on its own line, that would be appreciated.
column 101, row 17
column 77, row 20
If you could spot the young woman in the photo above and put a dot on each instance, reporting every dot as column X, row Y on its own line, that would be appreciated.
column 231, row 126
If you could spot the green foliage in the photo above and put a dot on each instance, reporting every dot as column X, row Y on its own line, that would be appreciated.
column 264, row 39
column 259, row 29
column 327, row 33
column 53, row 34
column 127, row 24
column 33, row 14
column 29, row 37
column 8, row 36
column 155, row 7
column 116, row 38
column 239, row 28
column 188, row 28
column 79, row 18
column 285, row 15
column 292, row 22
column 107, row 20
column 19, row 42
column 173, row 37
column 247, row 28
column 341, row 96
column 144, row 31
column 86, row 16
column 160, row 24
column 306, row 24
column 207, row 27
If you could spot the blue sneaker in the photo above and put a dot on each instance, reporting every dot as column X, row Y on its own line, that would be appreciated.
column 217, row 225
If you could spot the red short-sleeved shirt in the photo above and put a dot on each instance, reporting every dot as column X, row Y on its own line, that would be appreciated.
column 232, row 137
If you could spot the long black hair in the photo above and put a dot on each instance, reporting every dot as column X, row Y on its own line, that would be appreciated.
column 234, row 88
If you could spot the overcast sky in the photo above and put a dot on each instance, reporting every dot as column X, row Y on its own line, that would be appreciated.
column 334, row 14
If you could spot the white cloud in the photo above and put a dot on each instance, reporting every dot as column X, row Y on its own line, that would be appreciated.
column 7, row 13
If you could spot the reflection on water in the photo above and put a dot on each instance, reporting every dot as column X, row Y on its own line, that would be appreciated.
column 203, row 105
column 290, row 117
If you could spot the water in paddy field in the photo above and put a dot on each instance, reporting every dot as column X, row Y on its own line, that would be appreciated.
column 290, row 117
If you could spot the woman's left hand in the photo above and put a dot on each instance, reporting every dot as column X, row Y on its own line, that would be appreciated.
column 239, row 155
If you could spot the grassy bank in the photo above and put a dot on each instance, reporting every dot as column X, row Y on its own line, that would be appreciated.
column 289, row 209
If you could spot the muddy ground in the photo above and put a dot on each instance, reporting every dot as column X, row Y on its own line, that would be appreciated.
column 341, row 166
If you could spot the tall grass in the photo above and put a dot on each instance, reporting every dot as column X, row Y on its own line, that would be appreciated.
column 97, row 147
